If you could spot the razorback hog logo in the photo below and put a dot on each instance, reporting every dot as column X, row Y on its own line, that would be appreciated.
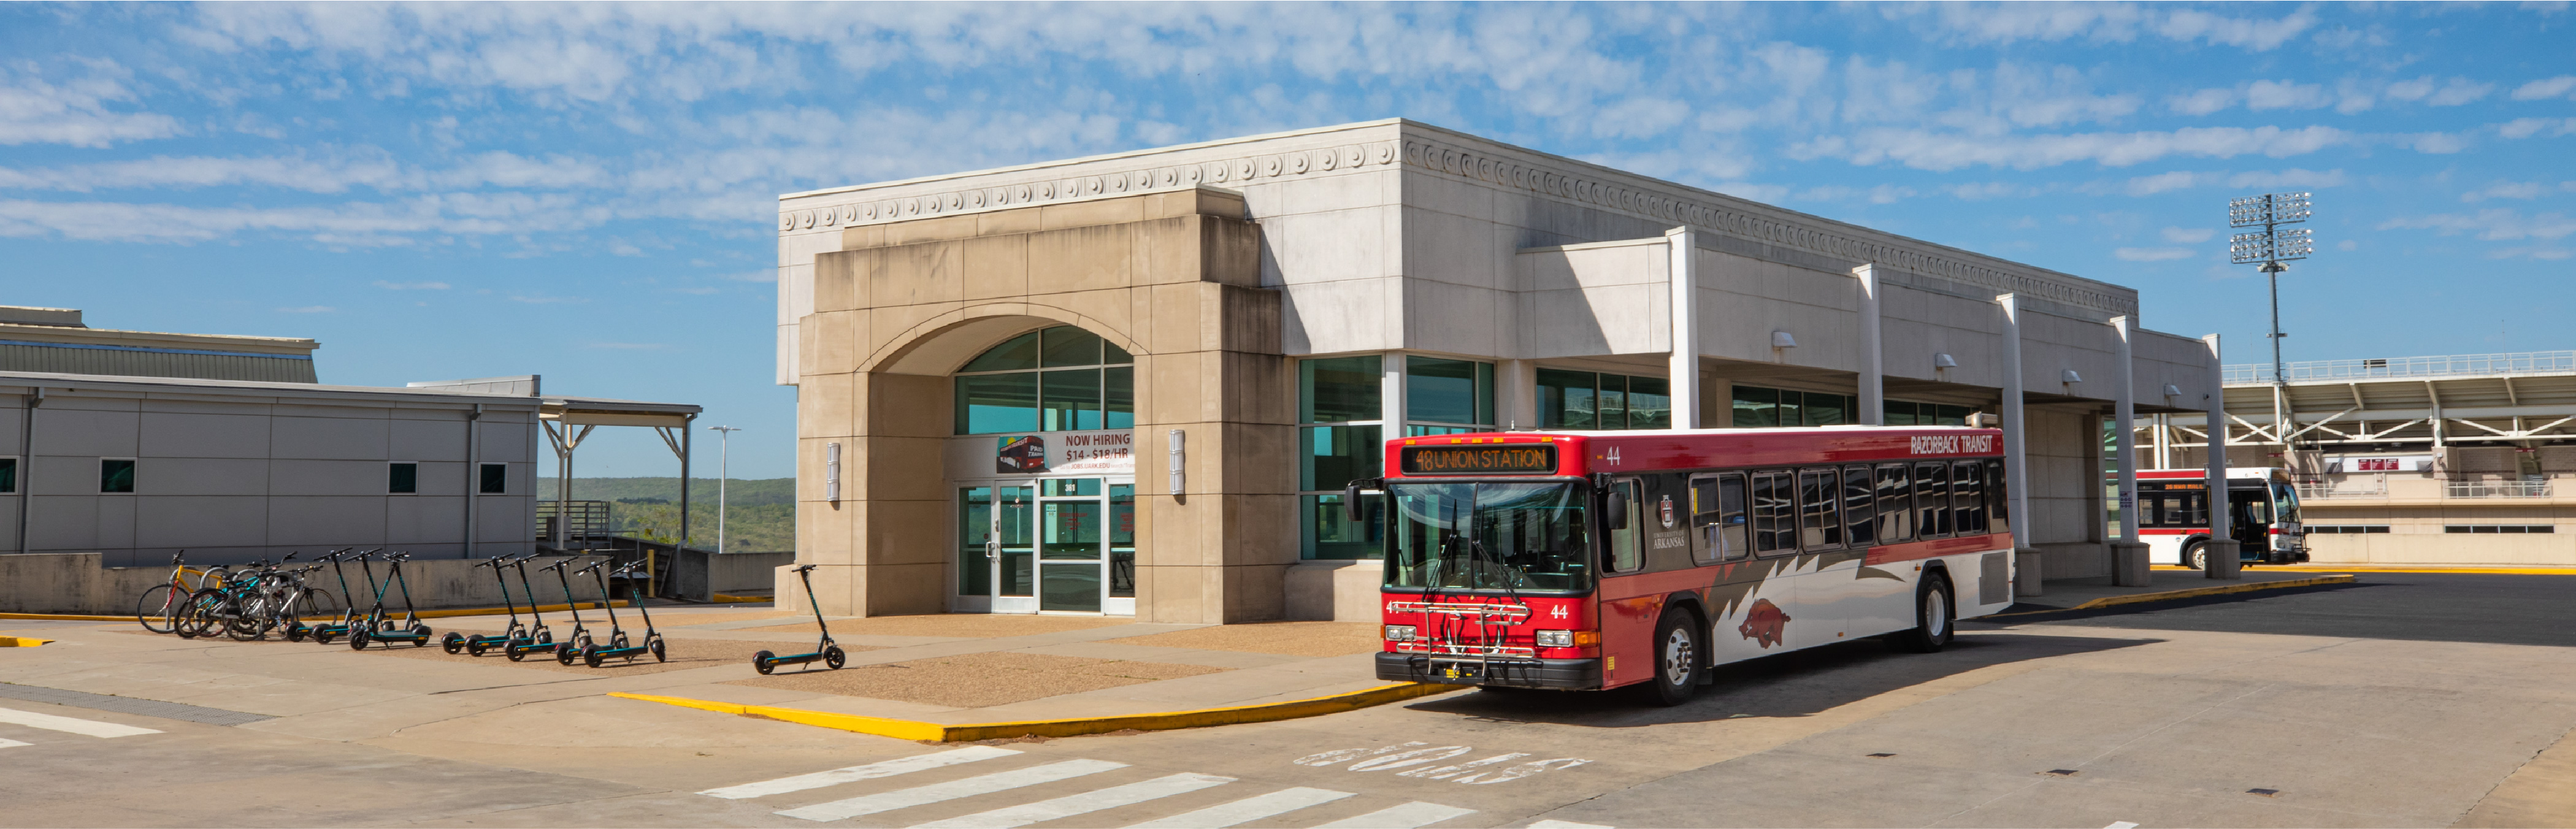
column 1762, row 623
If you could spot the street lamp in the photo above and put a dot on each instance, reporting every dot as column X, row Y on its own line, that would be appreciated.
column 724, row 453
column 2270, row 247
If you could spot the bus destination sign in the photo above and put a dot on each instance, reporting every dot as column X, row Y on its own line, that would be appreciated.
column 1478, row 460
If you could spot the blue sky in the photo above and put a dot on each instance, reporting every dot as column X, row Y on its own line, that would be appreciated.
column 588, row 191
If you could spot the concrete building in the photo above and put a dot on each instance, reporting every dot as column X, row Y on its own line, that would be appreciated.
column 2454, row 460
column 1136, row 383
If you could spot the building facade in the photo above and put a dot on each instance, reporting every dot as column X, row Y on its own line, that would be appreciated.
column 1136, row 383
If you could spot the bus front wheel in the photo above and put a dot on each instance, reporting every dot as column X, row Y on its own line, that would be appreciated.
column 1932, row 616
column 1677, row 658
column 2195, row 555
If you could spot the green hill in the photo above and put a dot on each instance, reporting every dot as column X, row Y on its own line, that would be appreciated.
column 762, row 517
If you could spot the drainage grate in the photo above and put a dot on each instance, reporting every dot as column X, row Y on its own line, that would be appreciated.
column 130, row 705
column 2062, row 772
column 2264, row 792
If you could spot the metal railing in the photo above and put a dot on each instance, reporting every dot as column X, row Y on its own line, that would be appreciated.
column 2456, row 365
column 2496, row 489
column 2372, row 488
column 582, row 519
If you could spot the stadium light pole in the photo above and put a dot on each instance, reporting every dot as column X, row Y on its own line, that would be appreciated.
column 724, row 453
column 2268, row 248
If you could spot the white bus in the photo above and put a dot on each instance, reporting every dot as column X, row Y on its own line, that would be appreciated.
column 2262, row 506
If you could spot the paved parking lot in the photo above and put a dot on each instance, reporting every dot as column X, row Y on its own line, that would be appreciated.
column 2326, row 707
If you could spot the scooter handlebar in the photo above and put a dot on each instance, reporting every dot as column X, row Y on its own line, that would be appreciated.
column 807, row 568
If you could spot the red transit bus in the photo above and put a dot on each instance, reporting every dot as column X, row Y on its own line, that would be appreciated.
column 1592, row 560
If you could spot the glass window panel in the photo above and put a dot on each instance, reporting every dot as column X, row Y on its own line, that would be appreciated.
column 1826, row 409
column 1015, row 506
column 1441, row 391
column 1949, row 416
column 1485, row 394
column 1820, row 524
column 974, row 531
column 1070, row 587
column 1612, row 410
column 1111, row 354
column 1328, row 534
column 495, row 479
column 1899, row 413
column 1065, row 345
column 1995, row 494
column 993, row 403
column 1932, row 500
column 402, row 478
column 1016, row 353
column 1968, row 497
column 1418, row 430
column 1118, row 392
column 1566, row 399
column 1122, row 540
column 8, row 474
column 1895, row 504
column 1627, row 551
column 1650, row 403
column 1793, row 408
column 1756, row 407
column 1775, row 527
column 1070, row 487
column 1339, row 389
column 1718, row 520
column 116, row 476
column 1071, row 402
column 1333, row 456
column 1490, row 536
column 1860, row 492
column 1071, row 530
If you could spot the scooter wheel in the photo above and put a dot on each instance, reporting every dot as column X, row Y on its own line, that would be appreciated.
column 357, row 639
column 833, row 657
column 656, row 647
column 295, row 632
column 590, row 656
column 564, row 654
column 474, row 646
column 512, row 650
column 421, row 629
column 453, row 642
column 760, row 662
column 323, row 638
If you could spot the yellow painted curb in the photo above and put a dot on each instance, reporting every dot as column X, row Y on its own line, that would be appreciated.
column 945, row 733
column 21, row 642
column 2492, row 571
column 720, row 598
column 66, row 617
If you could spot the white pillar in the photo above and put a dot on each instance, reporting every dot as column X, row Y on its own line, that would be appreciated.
column 1391, row 398
column 2222, row 552
column 1873, row 374
column 2016, row 464
column 1516, row 395
column 1683, row 373
column 2124, row 409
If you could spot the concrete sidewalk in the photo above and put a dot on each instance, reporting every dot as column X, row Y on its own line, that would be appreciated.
column 2070, row 593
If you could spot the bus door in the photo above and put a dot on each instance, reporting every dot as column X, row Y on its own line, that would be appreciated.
column 1827, row 562
column 2249, row 519
column 1878, row 505
column 1755, row 597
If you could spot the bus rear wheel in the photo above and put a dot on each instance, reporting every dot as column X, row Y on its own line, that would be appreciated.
column 1677, row 658
column 2195, row 555
column 1932, row 616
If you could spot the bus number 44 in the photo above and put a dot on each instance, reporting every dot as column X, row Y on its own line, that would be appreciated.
column 1409, row 760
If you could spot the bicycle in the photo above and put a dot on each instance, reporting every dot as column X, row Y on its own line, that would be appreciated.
column 163, row 602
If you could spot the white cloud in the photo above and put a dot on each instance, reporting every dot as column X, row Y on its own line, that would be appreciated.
column 2528, row 127
column 629, row 346
column 2188, row 236
column 2496, row 224
column 2161, row 182
column 2293, row 177
column 85, row 111
column 2454, row 93
column 2545, row 88
column 355, row 224
column 308, row 309
column 2152, row 254
column 2202, row 102
column 2436, row 143
column 411, row 286
column 2525, row 190
column 1940, row 152
column 2535, row 252
column 763, row 275
column 2264, row 95
column 2099, row 22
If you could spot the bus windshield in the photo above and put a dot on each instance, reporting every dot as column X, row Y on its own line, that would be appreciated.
column 2285, row 499
column 1489, row 536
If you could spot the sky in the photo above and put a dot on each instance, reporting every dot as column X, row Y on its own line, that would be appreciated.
column 588, row 192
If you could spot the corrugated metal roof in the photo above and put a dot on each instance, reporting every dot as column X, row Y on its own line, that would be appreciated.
column 153, row 362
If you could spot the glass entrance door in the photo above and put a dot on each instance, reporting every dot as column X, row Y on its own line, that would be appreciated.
column 1012, row 555
column 1057, row 545
column 1072, row 526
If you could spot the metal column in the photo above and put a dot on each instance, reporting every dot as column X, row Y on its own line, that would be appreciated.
column 2026, row 560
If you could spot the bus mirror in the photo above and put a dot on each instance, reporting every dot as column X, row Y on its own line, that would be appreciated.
column 1618, row 507
column 1351, row 502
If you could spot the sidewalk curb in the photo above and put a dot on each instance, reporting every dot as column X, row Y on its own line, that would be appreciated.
column 21, row 642
column 946, row 733
column 2188, row 593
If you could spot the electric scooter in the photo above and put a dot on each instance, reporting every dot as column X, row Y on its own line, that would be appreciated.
column 348, row 601
column 379, row 628
column 825, row 651
column 593, row 654
column 571, row 643
column 536, row 636
column 478, row 643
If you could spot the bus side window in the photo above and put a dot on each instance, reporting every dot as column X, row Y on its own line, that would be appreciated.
column 1717, row 518
column 1998, row 499
column 1968, row 496
column 1820, row 523
column 1932, row 500
column 1626, row 553
column 1858, row 512
column 1895, row 505
column 1775, row 528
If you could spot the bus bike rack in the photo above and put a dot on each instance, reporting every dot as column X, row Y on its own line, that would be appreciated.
column 1491, row 621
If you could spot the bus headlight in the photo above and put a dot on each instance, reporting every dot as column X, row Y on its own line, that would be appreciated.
column 1568, row 638
column 1398, row 633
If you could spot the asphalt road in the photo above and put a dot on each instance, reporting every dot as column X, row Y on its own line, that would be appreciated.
column 2442, row 607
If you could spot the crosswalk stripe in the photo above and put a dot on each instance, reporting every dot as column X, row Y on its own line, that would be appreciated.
column 871, row 771
column 1565, row 824
column 1246, row 810
column 1084, row 803
column 951, row 790
column 1407, row 816
column 50, row 722
column 8, row 743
